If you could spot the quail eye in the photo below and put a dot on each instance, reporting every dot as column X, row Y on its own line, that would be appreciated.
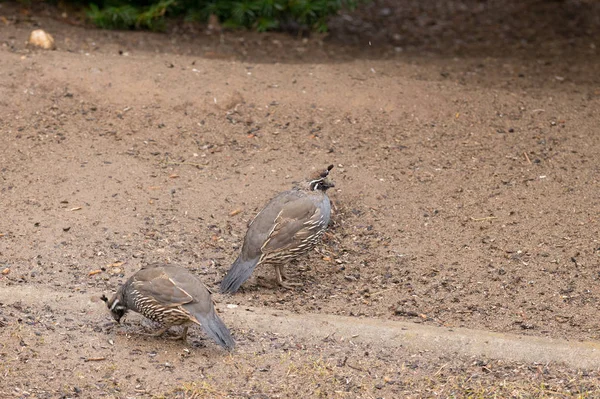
column 119, row 312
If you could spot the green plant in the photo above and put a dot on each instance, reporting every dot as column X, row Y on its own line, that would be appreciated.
column 128, row 16
column 261, row 15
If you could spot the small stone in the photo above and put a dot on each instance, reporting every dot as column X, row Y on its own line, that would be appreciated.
column 40, row 38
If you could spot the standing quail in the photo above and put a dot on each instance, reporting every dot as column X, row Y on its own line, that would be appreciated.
column 171, row 296
column 288, row 227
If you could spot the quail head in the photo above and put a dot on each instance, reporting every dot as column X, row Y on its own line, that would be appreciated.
column 288, row 227
column 171, row 296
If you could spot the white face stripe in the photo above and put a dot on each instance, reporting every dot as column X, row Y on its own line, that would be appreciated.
column 316, row 183
column 114, row 305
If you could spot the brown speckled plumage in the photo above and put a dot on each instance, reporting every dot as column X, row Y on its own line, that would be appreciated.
column 171, row 296
column 288, row 227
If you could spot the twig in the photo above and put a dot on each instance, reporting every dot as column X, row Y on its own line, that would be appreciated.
column 483, row 219
column 354, row 367
column 182, row 163
column 94, row 359
column 379, row 292
column 527, row 158
column 440, row 369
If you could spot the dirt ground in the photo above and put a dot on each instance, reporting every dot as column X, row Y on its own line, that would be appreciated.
column 465, row 140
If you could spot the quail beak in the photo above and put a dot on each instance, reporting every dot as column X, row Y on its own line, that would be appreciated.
column 326, row 183
column 117, row 317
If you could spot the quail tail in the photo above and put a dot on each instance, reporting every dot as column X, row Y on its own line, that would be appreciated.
column 214, row 327
column 238, row 274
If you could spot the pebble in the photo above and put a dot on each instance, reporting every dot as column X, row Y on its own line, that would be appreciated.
column 41, row 38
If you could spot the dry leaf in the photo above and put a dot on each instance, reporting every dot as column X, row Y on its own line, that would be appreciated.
column 116, row 264
column 77, row 208
column 6, row 271
column 235, row 212
column 94, row 272
column 174, row 176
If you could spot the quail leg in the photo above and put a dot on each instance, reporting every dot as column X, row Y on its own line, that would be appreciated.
column 284, row 275
column 183, row 335
column 159, row 332
column 281, row 276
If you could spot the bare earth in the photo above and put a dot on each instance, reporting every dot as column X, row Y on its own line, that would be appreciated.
column 465, row 140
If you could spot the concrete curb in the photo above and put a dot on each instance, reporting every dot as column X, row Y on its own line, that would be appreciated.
column 417, row 337
column 384, row 333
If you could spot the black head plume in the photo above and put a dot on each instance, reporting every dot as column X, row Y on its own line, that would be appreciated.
column 326, row 173
column 320, row 180
column 104, row 298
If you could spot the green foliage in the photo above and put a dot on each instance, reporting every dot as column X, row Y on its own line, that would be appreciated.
column 128, row 16
column 261, row 15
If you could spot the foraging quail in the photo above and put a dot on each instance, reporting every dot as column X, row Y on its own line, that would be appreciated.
column 172, row 296
column 288, row 227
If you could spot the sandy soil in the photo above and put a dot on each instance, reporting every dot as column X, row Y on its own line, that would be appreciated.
column 466, row 148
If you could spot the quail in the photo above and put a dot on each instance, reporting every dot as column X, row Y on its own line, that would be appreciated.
column 288, row 227
column 171, row 296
